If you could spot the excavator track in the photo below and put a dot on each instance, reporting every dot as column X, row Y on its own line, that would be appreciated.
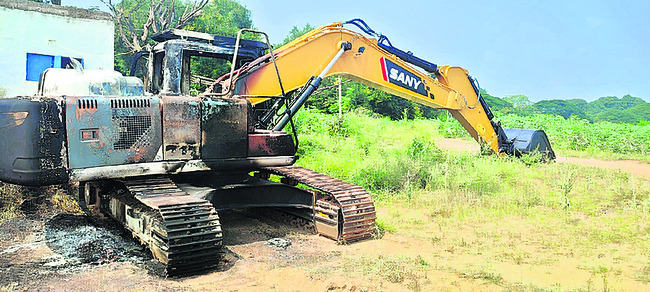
column 342, row 210
column 183, row 232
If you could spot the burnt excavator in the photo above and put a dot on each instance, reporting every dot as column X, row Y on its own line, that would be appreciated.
column 163, row 162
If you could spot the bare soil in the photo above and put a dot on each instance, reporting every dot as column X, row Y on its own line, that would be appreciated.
column 31, row 258
column 30, row 261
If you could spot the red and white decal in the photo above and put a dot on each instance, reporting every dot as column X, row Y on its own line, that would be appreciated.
column 402, row 77
column 383, row 68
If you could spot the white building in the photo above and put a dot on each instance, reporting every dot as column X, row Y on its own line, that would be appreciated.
column 35, row 36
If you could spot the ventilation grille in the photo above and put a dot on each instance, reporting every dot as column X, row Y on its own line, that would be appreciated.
column 87, row 103
column 130, row 103
column 134, row 132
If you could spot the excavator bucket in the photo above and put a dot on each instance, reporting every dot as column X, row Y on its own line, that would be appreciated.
column 526, row 141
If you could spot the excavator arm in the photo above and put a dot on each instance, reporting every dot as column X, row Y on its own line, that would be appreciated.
column 336, row 50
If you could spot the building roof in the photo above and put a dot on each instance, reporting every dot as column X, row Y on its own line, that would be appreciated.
column 65, row 11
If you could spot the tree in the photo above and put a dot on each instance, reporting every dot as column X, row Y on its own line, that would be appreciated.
column 295, row 33
column 136, row 20
column 134, row 25
column 224, row 18
column 496, row 103
column 518, row 100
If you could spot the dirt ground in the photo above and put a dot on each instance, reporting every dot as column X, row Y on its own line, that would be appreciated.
column 31, row 260
column 634, row 167
column 55, row 251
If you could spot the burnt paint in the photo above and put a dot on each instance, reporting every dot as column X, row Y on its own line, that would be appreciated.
column 181, row 126
column 128, row 130
column 33, row 150
column 224, row 128
column 270, row 143
column 171, row 62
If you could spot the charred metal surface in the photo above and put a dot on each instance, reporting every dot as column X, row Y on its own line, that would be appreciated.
column 173, row 167
column 182, row 231
column 104, row 131
column 172, row 62
column 171, row 69
column 342, row 211
column 250, row 118
column 248, row 49
column 181, row 125
column 186, row 235
column 224, row 129
column 33, row 150
column 270, row 143
column 235, row 191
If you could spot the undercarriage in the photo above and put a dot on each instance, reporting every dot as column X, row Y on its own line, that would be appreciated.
column 176, row 216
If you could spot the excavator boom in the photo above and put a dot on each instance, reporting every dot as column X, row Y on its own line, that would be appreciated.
column 163, row 162
column 336, row 50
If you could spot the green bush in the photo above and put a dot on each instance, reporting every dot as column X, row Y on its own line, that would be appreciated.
column 573, row 133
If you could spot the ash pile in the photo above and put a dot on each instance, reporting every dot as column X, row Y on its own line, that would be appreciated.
column 79, row 240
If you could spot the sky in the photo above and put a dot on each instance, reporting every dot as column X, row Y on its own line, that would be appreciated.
column 542, row 49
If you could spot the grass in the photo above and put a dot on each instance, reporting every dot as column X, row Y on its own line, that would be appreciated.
column 575, row 136
column 502, row 210
column 11, row 197
column 492, row 277
column 405, row 270
column 15, row 199
column 7, row 288
column 644, row 274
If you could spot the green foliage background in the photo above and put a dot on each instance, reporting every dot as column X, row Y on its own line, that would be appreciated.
column 226, row 17
column 628, row 109
column 219, row 17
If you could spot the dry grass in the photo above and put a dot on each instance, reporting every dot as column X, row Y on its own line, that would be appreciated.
column 15, row 200
column 514, row 216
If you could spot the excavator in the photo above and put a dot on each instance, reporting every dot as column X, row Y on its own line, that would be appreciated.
column 163, row 162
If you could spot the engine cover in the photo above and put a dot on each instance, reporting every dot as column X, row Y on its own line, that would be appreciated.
column 33, row 134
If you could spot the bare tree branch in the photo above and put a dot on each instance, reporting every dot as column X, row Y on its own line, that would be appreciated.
column 191, row 11
column 161, row 16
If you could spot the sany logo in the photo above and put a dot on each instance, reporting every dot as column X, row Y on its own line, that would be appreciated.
column 399, row 76
column 406, row 79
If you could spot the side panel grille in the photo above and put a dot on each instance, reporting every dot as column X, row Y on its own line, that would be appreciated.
column 133, row 132
column 87, row 103
column 106, row 130
column 130, row 103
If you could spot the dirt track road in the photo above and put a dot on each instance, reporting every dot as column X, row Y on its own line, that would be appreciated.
column 632, row 166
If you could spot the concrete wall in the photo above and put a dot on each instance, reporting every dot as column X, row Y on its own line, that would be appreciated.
column 50, row 30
